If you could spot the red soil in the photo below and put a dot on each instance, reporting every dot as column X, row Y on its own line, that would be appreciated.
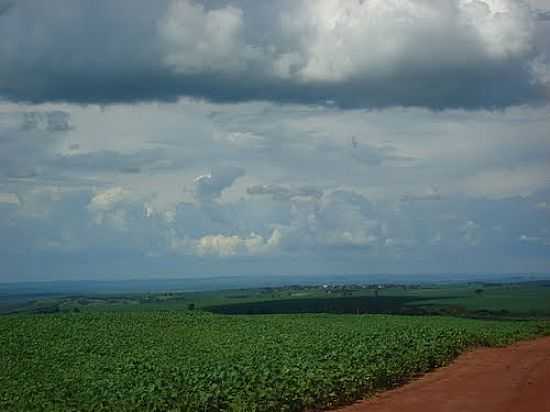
column 511, row 379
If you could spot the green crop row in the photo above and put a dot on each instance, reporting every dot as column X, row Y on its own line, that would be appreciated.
column 202, row 362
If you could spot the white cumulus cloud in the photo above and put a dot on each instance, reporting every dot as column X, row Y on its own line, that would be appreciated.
column 210, row 186
column 340, row 40
column 222, row 245
column 107, row 199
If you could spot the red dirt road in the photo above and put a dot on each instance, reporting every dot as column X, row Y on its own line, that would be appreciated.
column 511, row 379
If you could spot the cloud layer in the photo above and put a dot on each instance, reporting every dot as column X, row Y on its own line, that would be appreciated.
column 187, row 137
column 372, row 53
column 197, row 188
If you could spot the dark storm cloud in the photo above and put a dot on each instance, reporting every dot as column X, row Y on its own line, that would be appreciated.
column 132, row 51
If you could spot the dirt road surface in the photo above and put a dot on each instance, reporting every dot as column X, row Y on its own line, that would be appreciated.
column 511, row 379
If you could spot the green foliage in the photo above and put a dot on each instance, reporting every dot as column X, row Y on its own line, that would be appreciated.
column 168, row 361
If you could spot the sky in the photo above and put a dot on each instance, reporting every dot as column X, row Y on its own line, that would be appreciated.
column 187, row 138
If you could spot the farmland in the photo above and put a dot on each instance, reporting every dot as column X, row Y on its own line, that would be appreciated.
column 499, row 301
column 195, row 361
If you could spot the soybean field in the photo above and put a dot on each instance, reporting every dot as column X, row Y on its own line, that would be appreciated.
column 194, row 361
